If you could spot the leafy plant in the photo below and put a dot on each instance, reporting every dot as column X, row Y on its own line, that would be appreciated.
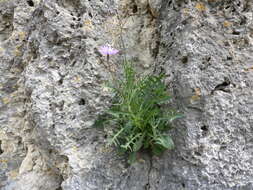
column 137, row 115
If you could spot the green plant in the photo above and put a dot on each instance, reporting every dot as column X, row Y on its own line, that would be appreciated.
column 137, row 114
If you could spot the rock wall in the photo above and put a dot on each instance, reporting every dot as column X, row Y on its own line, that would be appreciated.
column 52, row 92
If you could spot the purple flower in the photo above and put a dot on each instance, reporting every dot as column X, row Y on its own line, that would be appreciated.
column 107, row 50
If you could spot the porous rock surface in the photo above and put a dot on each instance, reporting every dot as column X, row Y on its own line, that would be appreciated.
column 52, row 91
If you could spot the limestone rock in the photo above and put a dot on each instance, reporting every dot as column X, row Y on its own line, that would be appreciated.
column 52, row 91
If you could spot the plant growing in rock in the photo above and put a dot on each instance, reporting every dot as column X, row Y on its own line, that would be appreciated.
column 137, row 114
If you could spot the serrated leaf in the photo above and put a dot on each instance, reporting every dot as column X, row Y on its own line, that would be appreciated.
column 136, row 116
column 138, row 144
column 114, row 139
column 128, row 126
column 165, row 141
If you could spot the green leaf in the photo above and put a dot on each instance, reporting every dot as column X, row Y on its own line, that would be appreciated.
column 131, row 142
column 157, row 150
column 164, row 99
column 136, row 115
column 146, row 144
column 117, row 114
column 171, row 116
column 128, row 126
column 176, row 116
column 100, row 122
column 114, row 139
column 165, row 141
column 132, row 157
column 121, row 151
column 138, row 144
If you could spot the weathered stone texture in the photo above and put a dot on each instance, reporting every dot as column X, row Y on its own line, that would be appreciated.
column 206, row 51
column 51, row 92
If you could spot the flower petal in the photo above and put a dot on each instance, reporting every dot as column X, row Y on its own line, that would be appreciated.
column 107, row 50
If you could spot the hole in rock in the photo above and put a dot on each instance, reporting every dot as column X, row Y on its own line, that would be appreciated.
column 30, row 3
column 60, row 81
column 1, row 151
column 243, row 21
column 223, row 146
column 73, row 64
column 235, row 33
column 19, row 140
column 82, row 102
column 233, row 9
column 229, row 58
column 135, row 9
column 204, row 128
column 184, row 22
column 73, row 117
column 184, row 59
column 90, row 15
column 226, row 44
column 227, row 7
column 183, row 185
column 147, row 186
column 197, row 153
column 72, row 26
column 169, row 3
column 223, row 85
column 50, row 151
column 61, row 105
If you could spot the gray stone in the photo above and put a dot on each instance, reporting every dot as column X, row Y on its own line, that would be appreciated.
column 52, row 80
